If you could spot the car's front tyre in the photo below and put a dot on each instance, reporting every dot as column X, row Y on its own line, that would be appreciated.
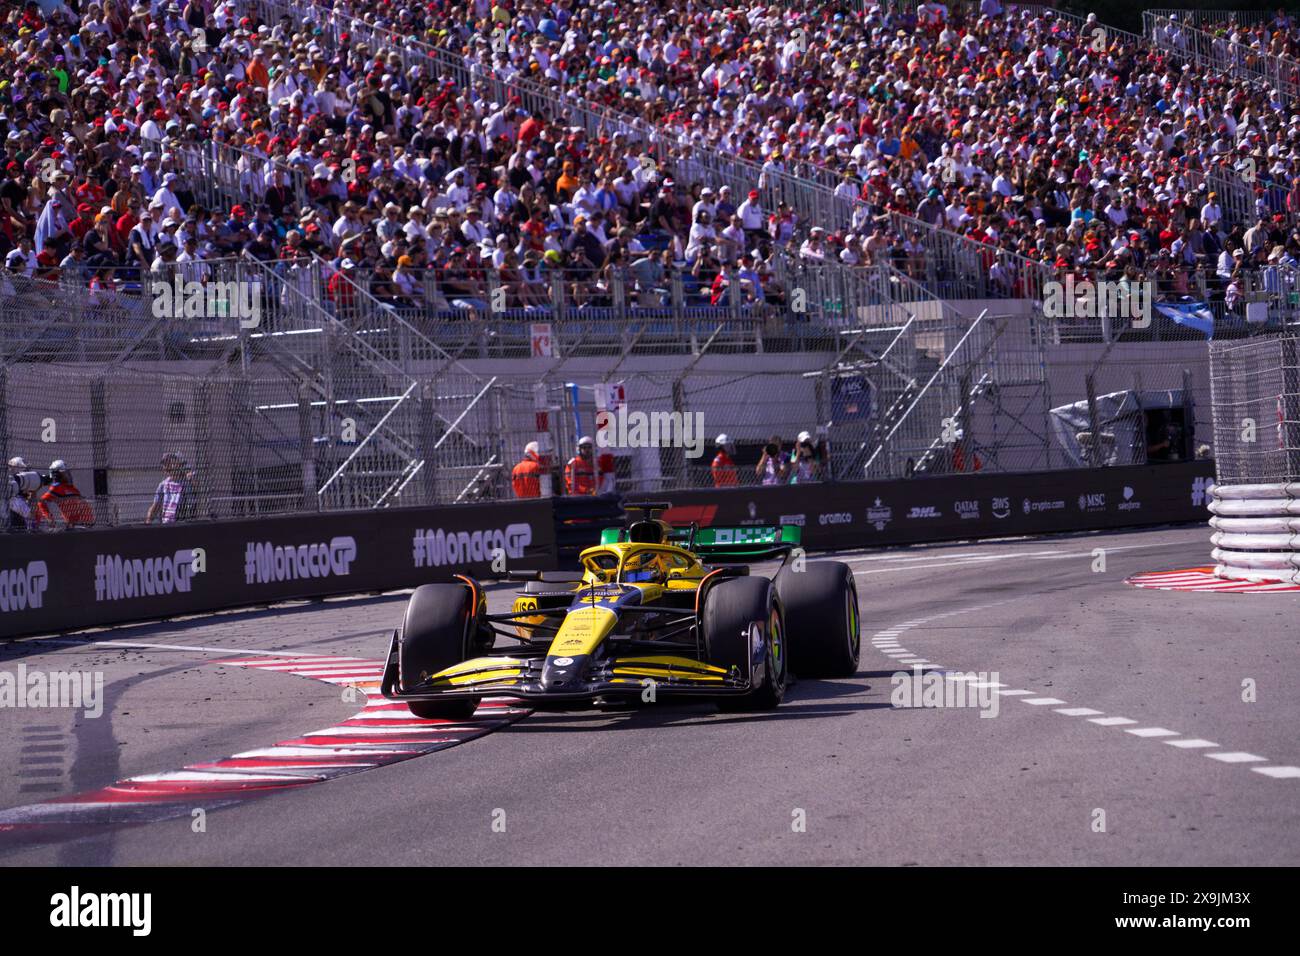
column 731, row 609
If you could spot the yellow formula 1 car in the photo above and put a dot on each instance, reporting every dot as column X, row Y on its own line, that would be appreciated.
column 655, row 612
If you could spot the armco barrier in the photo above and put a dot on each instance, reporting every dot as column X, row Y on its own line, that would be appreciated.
column 79, row 579
column 955, row 507
column 74, row 579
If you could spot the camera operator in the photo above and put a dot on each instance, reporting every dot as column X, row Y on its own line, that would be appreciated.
column 20, row 487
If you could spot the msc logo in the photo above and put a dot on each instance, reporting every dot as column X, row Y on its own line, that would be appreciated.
column 23, row 588
column 1093, row 502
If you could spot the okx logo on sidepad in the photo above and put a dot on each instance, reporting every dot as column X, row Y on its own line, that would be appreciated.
column 268, row 563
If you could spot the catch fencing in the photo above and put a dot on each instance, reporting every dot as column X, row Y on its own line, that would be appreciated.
column 1217, row 52
column 1256, row 497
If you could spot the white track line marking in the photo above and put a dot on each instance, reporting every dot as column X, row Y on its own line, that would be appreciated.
column 1236, row 756
column 890, row 648
column 233, row 651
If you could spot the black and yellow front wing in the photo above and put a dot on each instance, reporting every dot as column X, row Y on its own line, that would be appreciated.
column 571, row 680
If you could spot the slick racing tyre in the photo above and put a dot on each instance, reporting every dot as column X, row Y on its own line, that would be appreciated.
column 440, row 629
column 729, row 609
column 821, row 604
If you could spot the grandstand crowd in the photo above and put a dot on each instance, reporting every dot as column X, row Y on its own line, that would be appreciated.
column 1040, row 135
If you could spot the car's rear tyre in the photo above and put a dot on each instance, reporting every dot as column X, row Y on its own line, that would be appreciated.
column 440, row 629
column 730, row 608
column 821, row 604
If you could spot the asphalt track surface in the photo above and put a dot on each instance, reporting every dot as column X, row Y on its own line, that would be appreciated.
column 836, row 775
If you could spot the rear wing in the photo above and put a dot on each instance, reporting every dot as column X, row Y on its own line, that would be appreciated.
column 741, row 543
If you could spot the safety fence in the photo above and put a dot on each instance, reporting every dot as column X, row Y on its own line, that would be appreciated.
column 1217, row 52
column 1208, row 19
column 951, row 265
column 242, row 445
column 222, row 175
column 104, row 576
column 1256, row 395
column 1256, row 498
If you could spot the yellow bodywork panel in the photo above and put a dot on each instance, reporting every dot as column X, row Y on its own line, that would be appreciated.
column 524, row 625
column 582, row 631
column 481, row 669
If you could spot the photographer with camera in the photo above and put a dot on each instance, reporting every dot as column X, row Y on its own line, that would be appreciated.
column 804, row 463
column 772, row 468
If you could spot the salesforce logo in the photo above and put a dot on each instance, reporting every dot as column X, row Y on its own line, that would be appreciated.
column 434, row 547
column 23, row 588
column 117, row 577
column 267, row 563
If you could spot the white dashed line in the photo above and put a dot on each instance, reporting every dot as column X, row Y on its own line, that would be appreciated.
column 886, row 642
column 1236, row 756
column 1278, row 772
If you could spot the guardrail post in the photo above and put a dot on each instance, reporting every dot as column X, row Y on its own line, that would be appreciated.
column 428, row 442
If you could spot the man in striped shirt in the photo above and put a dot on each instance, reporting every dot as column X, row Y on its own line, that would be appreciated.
column 172, row 491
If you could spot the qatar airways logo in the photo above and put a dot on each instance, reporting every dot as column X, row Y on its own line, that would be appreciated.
column 267, row 563
column 434, row 547
column 23, row 588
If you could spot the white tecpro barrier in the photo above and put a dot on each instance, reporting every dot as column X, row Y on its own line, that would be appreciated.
column 1256, row 532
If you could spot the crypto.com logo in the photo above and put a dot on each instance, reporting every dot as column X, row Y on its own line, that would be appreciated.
column 267, row 563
